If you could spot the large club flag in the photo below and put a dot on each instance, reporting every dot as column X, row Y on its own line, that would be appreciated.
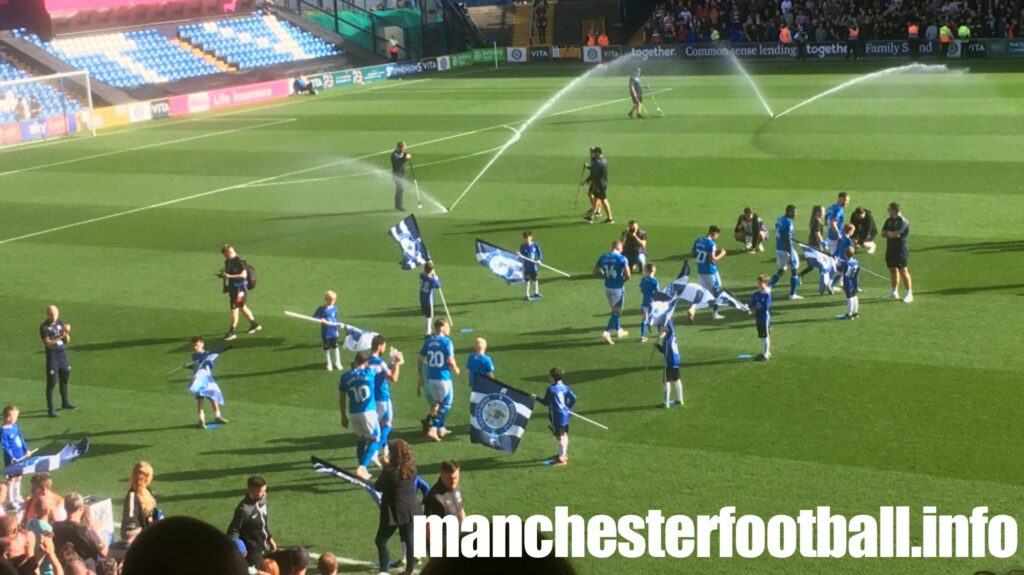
column 677, row 286
column 48, row 463
column 504, row 264
column 726, row 298
column 323, row 466
column 819, row 259
column 498, row 414
column 662, row 308
column 414, row 251
column 357, row 339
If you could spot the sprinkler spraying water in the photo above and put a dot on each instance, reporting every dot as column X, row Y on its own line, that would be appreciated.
column 919, row 68
column 518, row 132
column 750, row 80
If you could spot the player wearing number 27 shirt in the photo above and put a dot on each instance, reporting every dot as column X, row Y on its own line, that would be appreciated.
column 614, row 268
column 708, row 254
column 438, row 354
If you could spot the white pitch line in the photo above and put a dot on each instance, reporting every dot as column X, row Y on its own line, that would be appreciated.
column 144, row 147
column 253, row 183
column 519, row 133
column 152, row 124
column 373, row 173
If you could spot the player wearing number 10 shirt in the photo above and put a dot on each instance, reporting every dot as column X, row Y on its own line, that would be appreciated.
column 358, row 406
column 614, row 268
column 438, row 354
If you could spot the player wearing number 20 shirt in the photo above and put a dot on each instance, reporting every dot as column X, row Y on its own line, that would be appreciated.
column 438, row 353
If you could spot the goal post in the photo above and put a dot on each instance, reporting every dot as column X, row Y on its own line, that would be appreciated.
column 43, row 107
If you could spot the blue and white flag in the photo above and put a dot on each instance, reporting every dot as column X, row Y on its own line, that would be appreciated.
column 203, row 384
column 819, row 259
column 498, row 414
column 414, row 251
column 676, row 287
column 662, row 308
column 357, row 339
column 48, row 463
column 322, row 466
column 504, row 264
column 726, row 298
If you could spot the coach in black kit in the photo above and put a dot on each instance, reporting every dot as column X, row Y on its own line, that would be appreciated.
column 55, row 335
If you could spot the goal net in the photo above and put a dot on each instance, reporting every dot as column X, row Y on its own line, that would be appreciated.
column 43, row 107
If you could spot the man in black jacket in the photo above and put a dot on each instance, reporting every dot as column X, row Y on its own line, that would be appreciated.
column 250, row 522
column 865, row 229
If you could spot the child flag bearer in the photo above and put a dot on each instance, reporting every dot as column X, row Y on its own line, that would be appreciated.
column 648, row 287
column 203, row 385
column 328, row 316
column 670, row 347
column 559, row 399
column 760, row 306
column 532, row 256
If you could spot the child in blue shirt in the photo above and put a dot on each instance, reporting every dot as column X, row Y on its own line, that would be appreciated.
column 559, row 399
column 760, row 306
column 15, row 449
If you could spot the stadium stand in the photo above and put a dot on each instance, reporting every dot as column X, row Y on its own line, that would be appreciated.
column 131, row 59
column 256, row 41
column 128, row 59
column 53, row 102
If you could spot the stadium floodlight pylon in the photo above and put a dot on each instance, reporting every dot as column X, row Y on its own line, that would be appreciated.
column 62, row 83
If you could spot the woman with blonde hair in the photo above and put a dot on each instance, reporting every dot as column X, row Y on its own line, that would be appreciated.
column 140, row 509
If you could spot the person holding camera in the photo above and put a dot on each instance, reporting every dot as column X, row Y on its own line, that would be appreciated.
column 235, row 274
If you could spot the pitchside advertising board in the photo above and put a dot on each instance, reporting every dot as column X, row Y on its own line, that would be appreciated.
column 462, row 59
column 540, row 54
column 37, row 129
column 516, row 55
column 1006, row 48
column 400, row 70
column 482, row 55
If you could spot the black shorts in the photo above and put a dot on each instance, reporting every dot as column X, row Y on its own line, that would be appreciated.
column 762, row 330
column 896, row 259
column 558, row 431
column 671, row 374
column 427, row 309
column 237, row 298
column 330, row 343
column 57, row 363
column 599, row 193
column 530, row 275
column 637, row 99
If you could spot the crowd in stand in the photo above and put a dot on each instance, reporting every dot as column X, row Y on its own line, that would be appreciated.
column 692, row 21
column 47, row 534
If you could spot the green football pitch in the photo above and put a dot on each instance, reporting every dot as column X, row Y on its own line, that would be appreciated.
column 911, row 405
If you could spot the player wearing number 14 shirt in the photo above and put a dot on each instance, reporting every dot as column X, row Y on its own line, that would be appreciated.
column 614, row 268
column 439, row 355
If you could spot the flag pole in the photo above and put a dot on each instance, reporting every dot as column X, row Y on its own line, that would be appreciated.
column 313, row 319
column 877, row 275
column 650, row 359
column 588, row 420
column 445, row 304
column 556, row 270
